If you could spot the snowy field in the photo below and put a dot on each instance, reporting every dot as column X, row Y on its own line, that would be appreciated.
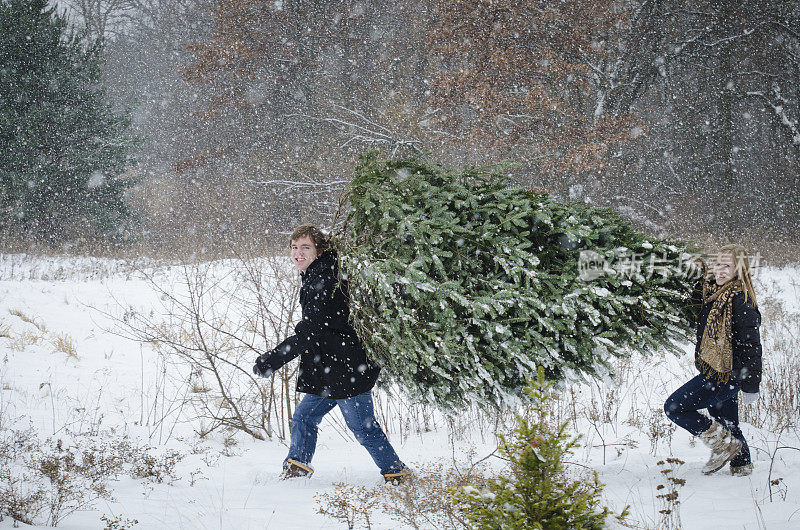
column 69, row 371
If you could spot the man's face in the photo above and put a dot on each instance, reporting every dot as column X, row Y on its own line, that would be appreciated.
column 304, row 251
column 724, row 269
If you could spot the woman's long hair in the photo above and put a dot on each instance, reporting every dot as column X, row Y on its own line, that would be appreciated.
column 742, row 262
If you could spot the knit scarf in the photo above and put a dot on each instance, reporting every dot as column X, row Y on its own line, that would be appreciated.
column 716, row 346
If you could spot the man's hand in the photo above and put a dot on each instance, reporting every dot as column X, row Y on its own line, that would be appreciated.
column 261, row 367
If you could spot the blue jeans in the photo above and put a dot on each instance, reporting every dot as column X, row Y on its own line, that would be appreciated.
column 359, row 415
column 721, row 401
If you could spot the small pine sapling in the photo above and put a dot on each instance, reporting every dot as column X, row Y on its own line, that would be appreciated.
column 536, row 491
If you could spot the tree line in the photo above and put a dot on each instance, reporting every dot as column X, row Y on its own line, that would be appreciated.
column 683, row 116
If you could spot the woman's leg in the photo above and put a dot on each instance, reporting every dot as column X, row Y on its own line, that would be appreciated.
column 683, row 406
column 359, row 414
column 727, row 413
column 306, row 418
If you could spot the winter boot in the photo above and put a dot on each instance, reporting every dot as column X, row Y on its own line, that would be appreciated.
column 723, row 447
column 293, row 469
column 396, row 477
column 742, row 471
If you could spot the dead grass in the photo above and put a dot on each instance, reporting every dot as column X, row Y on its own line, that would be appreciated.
column 62, row 342
column 28, row 319
column 199, row 387
column 24, row 339
column 22, row 316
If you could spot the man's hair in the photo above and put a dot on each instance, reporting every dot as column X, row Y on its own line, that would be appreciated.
column 321, row 241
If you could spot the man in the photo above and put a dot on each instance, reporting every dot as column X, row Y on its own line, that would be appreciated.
column 334, row 368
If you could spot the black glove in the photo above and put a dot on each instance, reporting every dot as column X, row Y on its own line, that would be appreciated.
column 261, row 367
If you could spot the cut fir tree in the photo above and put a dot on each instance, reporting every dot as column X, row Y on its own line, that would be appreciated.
column 463, row 285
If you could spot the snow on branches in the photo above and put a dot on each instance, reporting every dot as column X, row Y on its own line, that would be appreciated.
column 463, row 284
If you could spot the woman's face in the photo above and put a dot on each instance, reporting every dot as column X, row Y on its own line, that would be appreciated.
column 303, row 252
column 724, row 269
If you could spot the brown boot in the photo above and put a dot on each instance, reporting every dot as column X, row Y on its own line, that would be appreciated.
column 294, row 469
column 396, row 477
column 742, row 471
column 723, row 447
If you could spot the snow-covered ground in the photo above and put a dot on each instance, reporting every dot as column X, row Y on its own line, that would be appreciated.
column 113, row 383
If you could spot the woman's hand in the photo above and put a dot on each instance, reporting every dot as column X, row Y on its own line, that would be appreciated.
column 748, row 398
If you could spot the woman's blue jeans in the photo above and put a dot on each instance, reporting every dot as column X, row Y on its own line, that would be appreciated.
column 721, row 401
column 359, row 415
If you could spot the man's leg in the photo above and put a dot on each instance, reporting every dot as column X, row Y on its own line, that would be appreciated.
column 359, row 414
column 727, row 413
column 306, row 418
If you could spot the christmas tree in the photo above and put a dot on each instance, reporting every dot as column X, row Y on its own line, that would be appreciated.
column 65, row 149
column 463, row 285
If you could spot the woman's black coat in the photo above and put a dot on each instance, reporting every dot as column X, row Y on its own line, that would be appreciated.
column 333, row 363
column 746, row 340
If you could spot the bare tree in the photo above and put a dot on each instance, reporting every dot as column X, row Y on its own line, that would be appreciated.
column 102, row 18
column 212, row 325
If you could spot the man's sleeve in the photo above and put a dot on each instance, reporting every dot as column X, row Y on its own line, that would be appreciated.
column 306, row 338
column 269, row 362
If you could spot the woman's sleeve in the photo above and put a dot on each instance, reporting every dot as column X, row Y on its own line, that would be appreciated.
column 694, row 304
column 747, row 343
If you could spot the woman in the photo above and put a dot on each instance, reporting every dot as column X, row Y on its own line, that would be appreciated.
column 728, row 356
column 334, row 368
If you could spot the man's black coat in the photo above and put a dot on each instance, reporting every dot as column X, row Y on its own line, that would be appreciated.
column 333, row 363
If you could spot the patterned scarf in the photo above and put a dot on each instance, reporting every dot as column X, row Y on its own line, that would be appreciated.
column 716, row 346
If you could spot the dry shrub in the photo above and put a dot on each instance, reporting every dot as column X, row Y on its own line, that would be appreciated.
column 155, row 467
column 426, row 500
column 423, row 501
column 349, row 504
column 117, row 522
column 776, row 409
column 42, row 481
column 214, row 321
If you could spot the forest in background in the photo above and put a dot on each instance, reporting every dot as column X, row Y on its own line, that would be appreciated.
column 682, row 116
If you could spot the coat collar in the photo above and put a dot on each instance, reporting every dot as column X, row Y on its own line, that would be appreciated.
column 324, row 261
